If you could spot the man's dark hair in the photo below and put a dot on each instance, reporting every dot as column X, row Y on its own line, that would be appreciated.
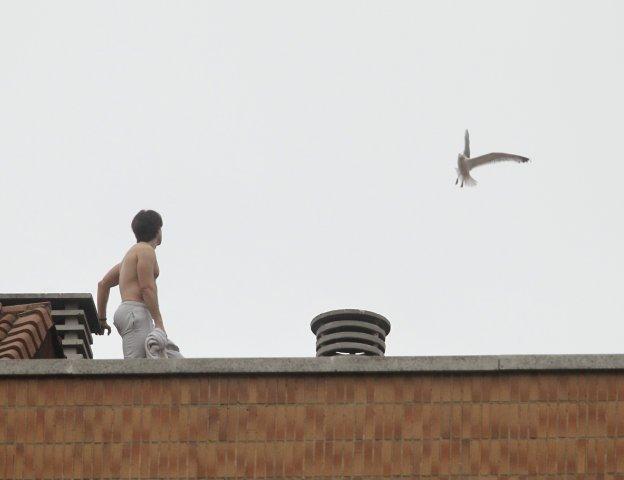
column 146, row 224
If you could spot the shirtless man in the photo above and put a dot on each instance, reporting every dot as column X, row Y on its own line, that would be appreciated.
column 136, row 276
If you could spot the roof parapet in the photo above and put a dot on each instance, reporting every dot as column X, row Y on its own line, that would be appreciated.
column 322, row 365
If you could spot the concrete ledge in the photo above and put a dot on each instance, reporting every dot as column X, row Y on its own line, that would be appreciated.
column 330, row 365
column 561, row 362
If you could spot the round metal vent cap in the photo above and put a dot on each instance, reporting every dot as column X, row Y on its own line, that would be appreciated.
column 350, row 332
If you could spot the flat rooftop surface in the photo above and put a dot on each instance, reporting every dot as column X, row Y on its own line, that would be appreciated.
column 310, row 365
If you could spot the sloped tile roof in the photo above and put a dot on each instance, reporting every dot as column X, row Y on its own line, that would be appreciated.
column 23, row 329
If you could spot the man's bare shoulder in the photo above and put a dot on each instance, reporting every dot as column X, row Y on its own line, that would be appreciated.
column 139, row 250
column 144, row 250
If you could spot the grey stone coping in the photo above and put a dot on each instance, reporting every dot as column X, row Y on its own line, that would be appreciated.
column 312, row 365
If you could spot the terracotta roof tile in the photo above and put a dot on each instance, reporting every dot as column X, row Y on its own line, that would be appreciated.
column 23, row 329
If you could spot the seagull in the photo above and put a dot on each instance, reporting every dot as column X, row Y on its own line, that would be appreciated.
column 465, row 163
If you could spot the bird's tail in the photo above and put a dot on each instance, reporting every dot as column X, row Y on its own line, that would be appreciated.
column 466, row 180
column 469, row 181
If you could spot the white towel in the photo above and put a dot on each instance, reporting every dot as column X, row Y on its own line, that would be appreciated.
column 157, row 345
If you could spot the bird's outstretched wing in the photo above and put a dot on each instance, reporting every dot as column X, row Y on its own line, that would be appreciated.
column 494, row 157
column 466, row 144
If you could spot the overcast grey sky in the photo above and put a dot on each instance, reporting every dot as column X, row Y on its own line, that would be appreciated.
column 302, row 155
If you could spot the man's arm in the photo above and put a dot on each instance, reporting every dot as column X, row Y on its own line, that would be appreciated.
column 110, row 280
column 146, row 263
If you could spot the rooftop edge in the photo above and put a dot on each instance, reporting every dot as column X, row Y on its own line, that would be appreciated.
column 310, row 365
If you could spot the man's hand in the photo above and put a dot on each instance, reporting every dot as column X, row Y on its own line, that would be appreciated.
column 104, row 326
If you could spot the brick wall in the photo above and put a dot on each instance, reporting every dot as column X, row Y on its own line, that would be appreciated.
column 469, row 426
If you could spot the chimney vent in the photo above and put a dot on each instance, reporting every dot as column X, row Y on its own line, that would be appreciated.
column 350, row 332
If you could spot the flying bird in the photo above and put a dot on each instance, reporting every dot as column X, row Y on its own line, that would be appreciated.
column 465, row 163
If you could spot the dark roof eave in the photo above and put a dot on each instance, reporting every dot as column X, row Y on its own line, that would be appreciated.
column 84, row 301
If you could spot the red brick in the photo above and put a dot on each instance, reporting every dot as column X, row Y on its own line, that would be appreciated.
column 564, row 449
column 40, row 425
column 487, row 387
column 270, row 387
column 183, row 424
column 425, row 389
column 463, row 384
column 308, row 459
column 16, row 458
column 441, row 421
column 502, row 425
column 310, row 422
column 486, row 420
column 578, row 458
column 611, row 459
column 611, row 419
column 339, row 421
column 280, row 423
column 427, row 420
